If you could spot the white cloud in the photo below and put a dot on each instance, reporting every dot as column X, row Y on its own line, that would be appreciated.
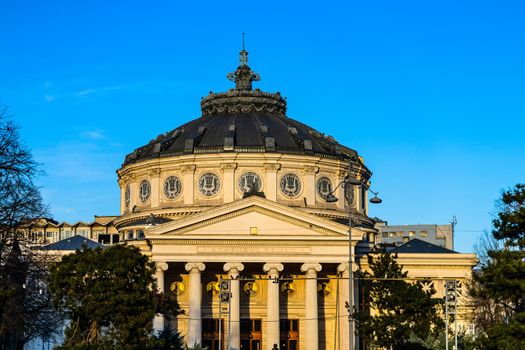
column 94, row 135
column 102, row 90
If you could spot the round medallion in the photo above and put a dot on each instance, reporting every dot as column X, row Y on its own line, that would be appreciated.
column 288, row 288
column 127, row 196
column 290, row 185
column 209, row 184
column 172, row 187
column 251, row 288
column 213, row 287
column 324, row 187
column 177, row 288
column 250, row 182
column 145, row 190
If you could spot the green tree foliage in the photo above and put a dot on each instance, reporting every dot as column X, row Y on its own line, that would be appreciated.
column 25, row 306
column 110, row 296
column 401, row 311
column 500, row 281
column 168, row 339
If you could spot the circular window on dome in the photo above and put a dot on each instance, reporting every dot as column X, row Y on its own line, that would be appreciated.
column 145, row 190
column 127, row 196
column 172, row 187
column 250, row 182
column 209, row 184
column 290, row 185
column 324, row 187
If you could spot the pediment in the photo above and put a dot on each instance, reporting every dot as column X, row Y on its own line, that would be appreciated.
column 252, row 216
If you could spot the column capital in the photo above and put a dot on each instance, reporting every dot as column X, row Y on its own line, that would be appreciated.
column 342, row 267
column 268, row 267
column 161, row 265
column 269, row 167
column 154, row 172
column 310, row 169
column 195, row 266
column 311, row 268
column 233, row 268
column 188, row 168
column 228, row 166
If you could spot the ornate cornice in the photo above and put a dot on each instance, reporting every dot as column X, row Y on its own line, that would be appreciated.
column 271, row 167
column 228, row 166
column 243, row 101
column 188, row 168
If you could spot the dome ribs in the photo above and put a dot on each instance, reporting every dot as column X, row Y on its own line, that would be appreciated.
column 229, row 140
column 241, row 132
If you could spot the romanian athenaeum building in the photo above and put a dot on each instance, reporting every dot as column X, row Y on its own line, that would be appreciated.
column 246, row 195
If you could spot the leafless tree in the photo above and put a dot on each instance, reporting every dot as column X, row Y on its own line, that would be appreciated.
column 25, row 306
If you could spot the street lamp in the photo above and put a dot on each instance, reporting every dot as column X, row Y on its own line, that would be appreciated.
column 330, row 198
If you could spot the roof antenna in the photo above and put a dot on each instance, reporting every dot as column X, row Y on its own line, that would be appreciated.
column 243, row 41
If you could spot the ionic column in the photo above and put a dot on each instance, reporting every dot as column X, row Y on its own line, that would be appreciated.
column 271, row 180
column 272, row 313
column 344, row 324
column 233, row 269
column 228, row 171
column 312, row 327
column 195, row 291
column 159, row 321
column 188, row 172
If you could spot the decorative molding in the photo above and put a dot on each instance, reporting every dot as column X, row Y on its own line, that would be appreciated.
column 310, row 169
column 228, row 166
column 272, row 167
column 188, row 168
column 244, row 101
column 155, row 172
column 191, row 266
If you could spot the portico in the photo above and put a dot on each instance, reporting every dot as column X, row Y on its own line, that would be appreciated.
column 281, row 279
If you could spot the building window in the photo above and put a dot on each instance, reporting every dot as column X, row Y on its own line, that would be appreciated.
column 423, row 233
column 145, row 191
column 251, row 334
column 411, row 234
column 210, row 333
column 385, row 234
column 400, row 233
column 324, row 187
column 349, row 195
column 391, row 234
column 290, row 185
column 289, row 334
column 172, row 187
column 209, row 184
column 250, row 182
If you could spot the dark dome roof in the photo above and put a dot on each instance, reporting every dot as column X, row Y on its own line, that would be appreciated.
column 242, row 120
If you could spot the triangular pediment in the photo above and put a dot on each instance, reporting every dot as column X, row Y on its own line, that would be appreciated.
column 252, row 216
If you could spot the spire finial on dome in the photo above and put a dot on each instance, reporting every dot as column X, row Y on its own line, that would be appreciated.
column 243, row 76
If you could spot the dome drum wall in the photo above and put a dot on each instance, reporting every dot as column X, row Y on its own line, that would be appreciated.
column 271, row 171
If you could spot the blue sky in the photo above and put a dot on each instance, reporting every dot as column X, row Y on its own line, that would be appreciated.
column 429, row 92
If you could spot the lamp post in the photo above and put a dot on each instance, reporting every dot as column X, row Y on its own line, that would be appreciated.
column 330, row 198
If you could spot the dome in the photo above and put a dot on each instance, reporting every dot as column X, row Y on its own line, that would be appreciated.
column 242, row 120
